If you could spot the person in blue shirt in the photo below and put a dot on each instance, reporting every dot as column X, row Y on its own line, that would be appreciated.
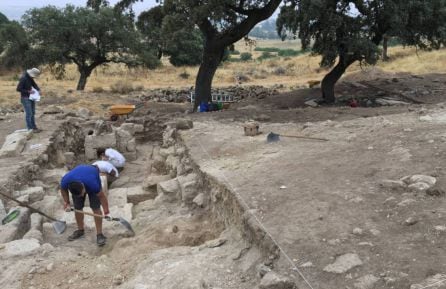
column 81, row 181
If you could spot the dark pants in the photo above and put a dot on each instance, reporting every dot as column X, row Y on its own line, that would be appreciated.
column 30, row 110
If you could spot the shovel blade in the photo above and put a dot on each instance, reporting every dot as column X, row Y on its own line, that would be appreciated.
column 272, row 137
column 126, row 225
column 59, row 227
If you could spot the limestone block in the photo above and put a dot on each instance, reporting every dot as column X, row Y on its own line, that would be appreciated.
column 122, row 138
column 22, row 247
column 136, row 194
column 132, row 128
column 199, row 200
column 181, row 124
column 36, row 221
column 165, row 152
column 150, row 183
column 34, row 234
column 138, row 128
column 100, row 141
column 131, row 145
column 189, row 187
column 51, row 177
column 50, row 205
column 169, row 190
column 16, row 228
column 14, row 143
column 34, row 193
column 172, row 162
column 117, row 197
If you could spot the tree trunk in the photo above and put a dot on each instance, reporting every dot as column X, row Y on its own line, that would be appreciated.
column 385, row 45
column 329, row 81
column 85, row 73
column 206, row 72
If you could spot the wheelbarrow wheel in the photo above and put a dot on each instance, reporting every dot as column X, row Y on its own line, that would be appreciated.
column 114, row 117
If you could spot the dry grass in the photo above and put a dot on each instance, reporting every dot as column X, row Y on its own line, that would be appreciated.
column 287, row 71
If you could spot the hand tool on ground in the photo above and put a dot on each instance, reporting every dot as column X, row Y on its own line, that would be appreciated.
column 273, row 137
column 123, row 222
column 58, row 225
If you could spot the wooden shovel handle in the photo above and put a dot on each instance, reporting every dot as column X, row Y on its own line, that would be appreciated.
column 88, row 213
column 306, row 137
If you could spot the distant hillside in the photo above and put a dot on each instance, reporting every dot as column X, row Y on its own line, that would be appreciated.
column 265, row 30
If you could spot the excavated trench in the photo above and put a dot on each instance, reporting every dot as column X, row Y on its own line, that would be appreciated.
column 191, row 230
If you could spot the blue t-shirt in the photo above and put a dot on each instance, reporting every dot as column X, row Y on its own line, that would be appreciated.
column 86, row 174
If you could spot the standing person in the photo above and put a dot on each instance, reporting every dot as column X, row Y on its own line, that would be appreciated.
column 112, row 156
column 81, row 181
column 28, row 86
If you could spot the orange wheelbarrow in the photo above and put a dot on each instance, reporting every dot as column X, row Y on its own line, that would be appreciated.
column 118, row 110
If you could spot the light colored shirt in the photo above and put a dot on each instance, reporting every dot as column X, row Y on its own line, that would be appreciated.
column 35, row 96
column 115, row 158
column 106, row 167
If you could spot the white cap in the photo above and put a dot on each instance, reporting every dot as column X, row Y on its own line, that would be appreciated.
column 33, row 72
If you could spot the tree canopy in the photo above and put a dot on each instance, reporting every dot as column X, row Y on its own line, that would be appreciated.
column 86, row 37
column 221, row 23
column 14, row 46
column 349, row 31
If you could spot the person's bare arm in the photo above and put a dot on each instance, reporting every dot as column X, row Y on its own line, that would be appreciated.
column 104, row 202
column 66, row 198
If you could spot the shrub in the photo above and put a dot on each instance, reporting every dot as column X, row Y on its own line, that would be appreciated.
column 279, row 71
column 184, row 75
column 265, row 55
column 288, row 52
column 235, row 52
column 121, row 87
column 245, row 56
column 98, row 89
column 267, row 49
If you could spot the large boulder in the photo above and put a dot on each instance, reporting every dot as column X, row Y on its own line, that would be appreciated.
column 22, row 247
column 14, row 143
column 189, row 187
column 169, row 190
column 136, row 195
column 34, row 194
column 17, row 227
column 344, row 263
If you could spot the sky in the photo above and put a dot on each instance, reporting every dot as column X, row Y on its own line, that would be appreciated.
column 14, row 9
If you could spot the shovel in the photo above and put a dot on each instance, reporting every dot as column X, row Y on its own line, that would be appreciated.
column 123, row 222
column 273, row 137
column 58, row 226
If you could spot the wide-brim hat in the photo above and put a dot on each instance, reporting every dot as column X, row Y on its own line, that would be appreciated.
column 33, row 72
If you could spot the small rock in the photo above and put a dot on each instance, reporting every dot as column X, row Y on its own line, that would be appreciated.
column 433, row 282
column 391, row 184
column 272, row 280
column 175, row 229
column 375, row 232
column 406, row 202
column 366, row 282
column 262, row 269
column 50, row 267
column 334, row 242
column 357, row 231
column 410, row 221
column 423, row 178
column 118, row 279
column 440, row 228
column 435, row 191
column 343, row 263
column 420, row 186
column 199, row 200
column 307, row 265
